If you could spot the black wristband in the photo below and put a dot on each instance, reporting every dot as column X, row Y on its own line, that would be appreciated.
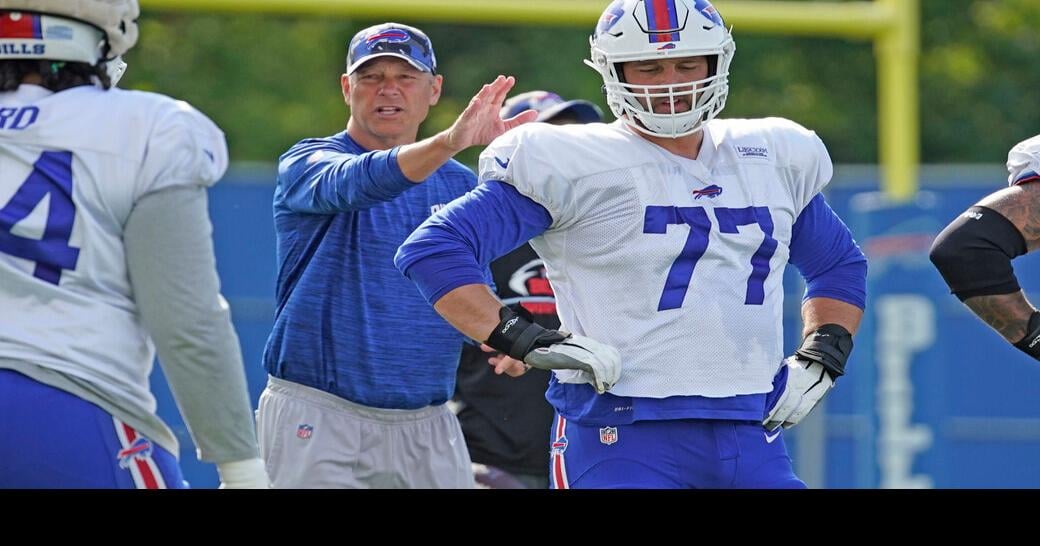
column 516, row 334
column 1030, row 344
column 830, row 346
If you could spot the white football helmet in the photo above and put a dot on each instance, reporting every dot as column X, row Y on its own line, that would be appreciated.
column 112, row 31
column 639, row 30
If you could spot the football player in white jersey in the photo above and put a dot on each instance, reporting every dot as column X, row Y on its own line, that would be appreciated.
column 974, row 252
column 105, row 256
column 665, row 235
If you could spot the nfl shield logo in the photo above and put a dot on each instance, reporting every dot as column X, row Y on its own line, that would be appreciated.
column 304, row 432
column 608, row 435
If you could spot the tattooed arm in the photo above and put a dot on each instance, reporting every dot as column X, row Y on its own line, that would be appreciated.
column 1009, row 314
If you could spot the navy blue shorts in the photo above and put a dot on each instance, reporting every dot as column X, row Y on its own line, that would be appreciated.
column 674, row 454
column 53, row 439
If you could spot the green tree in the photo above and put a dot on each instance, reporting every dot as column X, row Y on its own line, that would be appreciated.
column 272, row 80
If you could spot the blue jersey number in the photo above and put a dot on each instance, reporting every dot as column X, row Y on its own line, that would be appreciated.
column 51, row 175
column 657, row 220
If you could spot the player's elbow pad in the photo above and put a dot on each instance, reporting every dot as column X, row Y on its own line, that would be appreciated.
column 974, row 253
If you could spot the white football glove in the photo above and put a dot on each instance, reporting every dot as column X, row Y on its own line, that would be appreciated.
column 807, row 383
column 244, row 474
column 811, row 372
column 598, row 364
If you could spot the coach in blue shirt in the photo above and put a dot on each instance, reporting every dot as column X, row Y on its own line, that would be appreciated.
column 360, row 366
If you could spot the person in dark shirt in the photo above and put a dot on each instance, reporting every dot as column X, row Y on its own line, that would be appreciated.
column 506, row 420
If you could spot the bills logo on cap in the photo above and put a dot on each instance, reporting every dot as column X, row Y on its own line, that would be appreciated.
column 392, row 35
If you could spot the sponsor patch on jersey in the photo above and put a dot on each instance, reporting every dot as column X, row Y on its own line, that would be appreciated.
column 140, row 450
column 759, row 152
column 608, row 435
column 710, row 192
column 304, row 431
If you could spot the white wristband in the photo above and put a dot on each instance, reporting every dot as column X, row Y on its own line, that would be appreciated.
column 244, row 474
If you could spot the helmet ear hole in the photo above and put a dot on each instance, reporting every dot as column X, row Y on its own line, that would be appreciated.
column 620, row 73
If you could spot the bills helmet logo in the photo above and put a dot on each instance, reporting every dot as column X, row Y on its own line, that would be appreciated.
column 709, row 12
column 610, row 16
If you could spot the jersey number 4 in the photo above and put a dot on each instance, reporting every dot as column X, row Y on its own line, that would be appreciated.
column 657, row 220
column 51, row 175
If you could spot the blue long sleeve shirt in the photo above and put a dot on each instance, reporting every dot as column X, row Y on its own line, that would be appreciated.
column 346, row 321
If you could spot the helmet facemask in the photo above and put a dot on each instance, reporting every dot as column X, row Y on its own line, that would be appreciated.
column 695, row 29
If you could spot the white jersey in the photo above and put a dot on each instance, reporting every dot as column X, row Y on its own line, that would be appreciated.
column 676, row 262
column 1023, row 162
column 72, row 166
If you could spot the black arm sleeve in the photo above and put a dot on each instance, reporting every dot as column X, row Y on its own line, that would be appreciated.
column 974, row 253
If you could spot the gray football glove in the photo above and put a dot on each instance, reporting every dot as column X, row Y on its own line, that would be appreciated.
column 599, row 364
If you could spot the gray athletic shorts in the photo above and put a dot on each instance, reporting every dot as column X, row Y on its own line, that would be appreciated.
column 313, row 439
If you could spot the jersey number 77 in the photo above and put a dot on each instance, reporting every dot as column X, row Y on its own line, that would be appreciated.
column 657, row 220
